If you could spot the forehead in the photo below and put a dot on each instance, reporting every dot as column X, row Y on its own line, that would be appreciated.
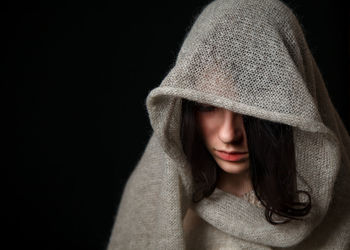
column 202, row 104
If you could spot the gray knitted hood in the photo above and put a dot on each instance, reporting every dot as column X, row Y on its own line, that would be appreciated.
column 251, row 57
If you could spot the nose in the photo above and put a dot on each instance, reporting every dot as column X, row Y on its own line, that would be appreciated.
column 230, row 127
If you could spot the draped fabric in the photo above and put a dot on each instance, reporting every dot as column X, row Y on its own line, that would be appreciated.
column 251, row 57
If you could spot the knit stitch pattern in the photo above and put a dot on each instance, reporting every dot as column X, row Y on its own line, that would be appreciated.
column 250, row 57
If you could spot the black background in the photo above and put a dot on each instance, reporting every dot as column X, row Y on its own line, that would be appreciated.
column 81, row 72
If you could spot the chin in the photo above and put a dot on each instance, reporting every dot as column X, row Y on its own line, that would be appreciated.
column 233, row 167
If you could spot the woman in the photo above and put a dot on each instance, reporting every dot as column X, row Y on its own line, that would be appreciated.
column 244, row 81
column 208, row 133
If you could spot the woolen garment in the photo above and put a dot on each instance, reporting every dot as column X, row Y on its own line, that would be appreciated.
column 210, row 237
column 250, row 57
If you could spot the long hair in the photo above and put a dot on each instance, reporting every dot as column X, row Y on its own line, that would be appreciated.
column 272, row 164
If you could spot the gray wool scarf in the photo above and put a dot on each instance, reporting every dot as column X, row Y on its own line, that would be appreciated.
column 251, row 57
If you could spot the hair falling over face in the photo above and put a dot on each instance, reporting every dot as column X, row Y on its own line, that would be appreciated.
column 272, row 168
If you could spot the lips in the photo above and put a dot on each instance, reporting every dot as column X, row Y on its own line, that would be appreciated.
column 235, row 156
column 232, row 152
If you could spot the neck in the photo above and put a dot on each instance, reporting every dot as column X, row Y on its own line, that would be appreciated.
column 236, row 184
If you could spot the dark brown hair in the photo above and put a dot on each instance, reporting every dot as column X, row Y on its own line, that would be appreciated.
column 272, row 164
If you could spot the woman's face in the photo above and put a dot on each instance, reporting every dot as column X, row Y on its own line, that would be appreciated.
column 225, row 137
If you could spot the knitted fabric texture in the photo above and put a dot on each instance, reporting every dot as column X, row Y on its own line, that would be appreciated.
column 199, row 234
column 250, row 57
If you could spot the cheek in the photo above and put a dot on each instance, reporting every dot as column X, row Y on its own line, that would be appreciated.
column 206, row 128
